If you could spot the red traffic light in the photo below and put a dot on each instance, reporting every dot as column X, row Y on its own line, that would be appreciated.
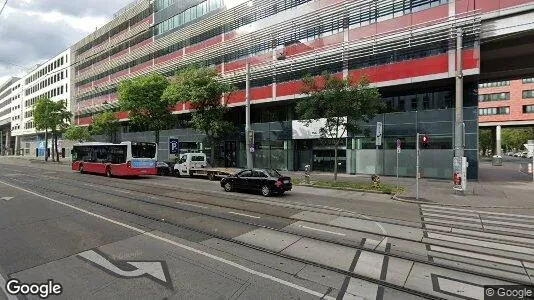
column 425, row 140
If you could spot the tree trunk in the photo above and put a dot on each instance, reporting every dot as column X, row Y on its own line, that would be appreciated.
column 213, row 153
column 57, row 149
column 335, row 162
column 46, row 145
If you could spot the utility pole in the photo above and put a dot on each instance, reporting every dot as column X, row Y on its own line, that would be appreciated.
column 459, row 132
column 248, row 141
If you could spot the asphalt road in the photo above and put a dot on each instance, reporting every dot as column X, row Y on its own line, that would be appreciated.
column 182, row 238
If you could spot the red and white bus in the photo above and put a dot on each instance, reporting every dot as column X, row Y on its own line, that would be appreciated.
column 124, row 159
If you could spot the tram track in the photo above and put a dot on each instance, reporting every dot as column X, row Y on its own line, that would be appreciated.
column 356, row 245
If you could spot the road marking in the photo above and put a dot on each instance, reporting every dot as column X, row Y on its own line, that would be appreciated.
column 464, row 224
column 6, row 198
column 507, row 223
column 441, row 216
column 471, row 254
column 457, row 288
column 449, row 209
column 245, row 215
column 3, row 283
column 479, row 243
column 200, row 206
column 155, row 269
column 157, row 237
column 322, row 230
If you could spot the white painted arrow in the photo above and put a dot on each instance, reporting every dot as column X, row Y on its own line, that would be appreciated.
column 6, row 198
column 151, row 268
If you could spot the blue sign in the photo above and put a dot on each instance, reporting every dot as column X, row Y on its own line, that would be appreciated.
column 174, row 146
column 141, row 164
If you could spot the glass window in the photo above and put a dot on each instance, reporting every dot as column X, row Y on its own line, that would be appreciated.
column 528, row 94
column 273, row 173
column 528, row 80
column 143, row 150
column 187, row 15
column 245, row 173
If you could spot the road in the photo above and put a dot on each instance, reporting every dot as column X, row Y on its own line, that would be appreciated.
column 181, row 238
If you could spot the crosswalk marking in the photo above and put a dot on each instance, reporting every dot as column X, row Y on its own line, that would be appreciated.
column 463, row 240
column 475, row 255
column 479, row 240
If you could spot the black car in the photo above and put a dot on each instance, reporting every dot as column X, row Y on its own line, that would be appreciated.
column 163, row 168
column 266, row 181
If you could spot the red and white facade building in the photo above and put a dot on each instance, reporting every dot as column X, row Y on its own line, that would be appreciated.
column 405, row 47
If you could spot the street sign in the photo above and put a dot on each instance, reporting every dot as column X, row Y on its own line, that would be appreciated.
column 398, row 145
column 378, row 133
column 251, row 137
column 251, row 149
column 174, row 146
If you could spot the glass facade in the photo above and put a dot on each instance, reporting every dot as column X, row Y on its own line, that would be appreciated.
column 186, row 16
column 494, row 84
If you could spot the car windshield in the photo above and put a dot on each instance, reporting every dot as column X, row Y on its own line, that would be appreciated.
column 273, row 173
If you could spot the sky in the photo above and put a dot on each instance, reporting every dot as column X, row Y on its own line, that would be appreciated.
column 33, row 31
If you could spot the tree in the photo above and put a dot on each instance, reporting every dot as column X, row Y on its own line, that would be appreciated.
column 105, row 123
column 77, row 133
column 53, row 116
column 341, row 104
column 515, row 138
column 485, row 140
column 202, row 87
column 141, row 97
column 42, row 117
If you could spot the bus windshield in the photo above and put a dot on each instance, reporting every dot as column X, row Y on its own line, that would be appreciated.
column 143, row 150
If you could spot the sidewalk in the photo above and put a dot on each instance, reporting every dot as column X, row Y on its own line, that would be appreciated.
column 501, row 187
column 33, row 159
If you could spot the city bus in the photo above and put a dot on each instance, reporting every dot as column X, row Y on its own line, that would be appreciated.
column 124, row 159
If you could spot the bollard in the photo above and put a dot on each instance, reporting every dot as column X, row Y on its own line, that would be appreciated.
column 307, row 174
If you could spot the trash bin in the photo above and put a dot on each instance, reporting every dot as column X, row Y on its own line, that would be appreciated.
column 497, row 160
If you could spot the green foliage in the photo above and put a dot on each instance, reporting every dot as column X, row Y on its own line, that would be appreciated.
column 485, row 140
column 77, row 133
column 202, row 88
column 53, row 116
column 343, row 103
column 141, row 97
column 105, row 123
column 515, row 138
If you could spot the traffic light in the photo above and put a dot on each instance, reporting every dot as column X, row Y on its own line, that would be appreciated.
column 425, row 141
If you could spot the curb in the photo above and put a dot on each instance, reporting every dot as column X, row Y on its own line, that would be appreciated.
column 343, row 189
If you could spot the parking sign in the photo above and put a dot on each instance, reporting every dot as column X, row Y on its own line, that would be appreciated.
column 173, row 146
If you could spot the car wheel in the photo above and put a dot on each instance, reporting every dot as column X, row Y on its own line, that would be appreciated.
column 108, row 172
column 176, row 173
column 228, row 187
column 266, row 191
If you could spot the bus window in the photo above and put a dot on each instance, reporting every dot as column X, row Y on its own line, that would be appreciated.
column 143, row 150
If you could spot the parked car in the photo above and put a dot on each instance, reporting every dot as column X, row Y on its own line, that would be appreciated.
column 510, row 153
column 266, row 181
column 517, row 154
column 524, row 154
column 163, row 168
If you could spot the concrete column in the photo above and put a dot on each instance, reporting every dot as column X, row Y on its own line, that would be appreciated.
column 498, row 140
column 8, row 143
column 1, row 142
column 17, row 145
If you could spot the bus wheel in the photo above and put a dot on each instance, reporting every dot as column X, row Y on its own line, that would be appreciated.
column 108, row 172
column 80, row 168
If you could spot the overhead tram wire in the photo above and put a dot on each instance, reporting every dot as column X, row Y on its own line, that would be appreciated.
column 3, row 6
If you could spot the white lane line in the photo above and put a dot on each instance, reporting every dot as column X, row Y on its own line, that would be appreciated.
column 479, row 243
column 200, row 252
column 200, row 206
column 444, row 209
column 507, row 223
column 447, row 222
column 474, row 255
column 492, row 236
column 436, row 211
column 322, row 230
column 244, row 215
column 475, row 218
column 3, row 283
